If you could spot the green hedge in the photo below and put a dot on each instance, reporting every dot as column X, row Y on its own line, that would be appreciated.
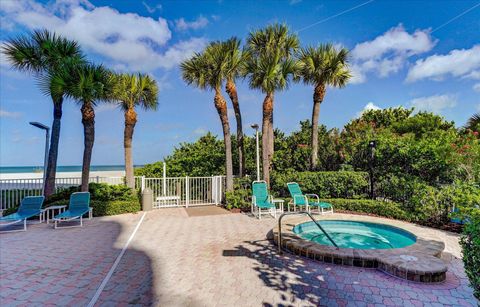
column 98, row 191
column 240, row 197
column 470, row 242
column 105, row 199
column 108, row 207
column 381, row 208
column 344, row 184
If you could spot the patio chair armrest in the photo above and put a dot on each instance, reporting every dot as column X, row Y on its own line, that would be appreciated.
column 299, row 196
column 313, row 196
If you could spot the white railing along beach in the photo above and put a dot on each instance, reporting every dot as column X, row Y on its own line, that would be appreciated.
column 167, row 192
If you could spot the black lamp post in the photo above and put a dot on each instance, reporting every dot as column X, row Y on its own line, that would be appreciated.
column 372, row 145
column 255, row 126
column 45, row 161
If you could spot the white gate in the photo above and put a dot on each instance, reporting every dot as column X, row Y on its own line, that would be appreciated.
column 185, row 191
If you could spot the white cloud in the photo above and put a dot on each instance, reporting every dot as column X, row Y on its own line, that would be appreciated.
column 183, row 25
column 200, row 131
column 367, row 107
column 463, row 63
column 435, row 103
column 128, row 39
column 7, row 114
column 388, row 53
column 151, row 9
column 476, row 87
column 106, row 107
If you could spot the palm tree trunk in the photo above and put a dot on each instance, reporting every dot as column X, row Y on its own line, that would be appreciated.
column 267, row 136
column 232, row 93
column 88, row 121
column 221, row 106
column 318, row 95
column 130, row 121
column 49, row 187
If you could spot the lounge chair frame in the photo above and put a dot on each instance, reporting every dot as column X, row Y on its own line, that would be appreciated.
column 257, row 210
column 24, row 219
column 90, row 215
column 306, row 197
column 59, row 217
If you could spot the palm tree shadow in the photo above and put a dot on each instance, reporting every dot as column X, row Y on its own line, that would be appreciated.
column 77, row 260
column 134, row 282
column 295, row 279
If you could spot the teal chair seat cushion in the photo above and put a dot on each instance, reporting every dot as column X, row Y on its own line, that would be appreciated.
column 71, row 213
column 25, row 214
column 265, row 205
column 321, row 205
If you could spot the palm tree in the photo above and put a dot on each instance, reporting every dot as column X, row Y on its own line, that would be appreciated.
column 42, row 53
column 320, row 67
column 131, row 91
column 473, row 123
column 206, row 71
column 88, row 84
column 269, row 67
column 234, row 60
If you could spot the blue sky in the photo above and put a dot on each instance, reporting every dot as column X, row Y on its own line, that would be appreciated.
column 424, row 54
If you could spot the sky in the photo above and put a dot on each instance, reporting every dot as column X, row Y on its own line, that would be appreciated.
column 422, row 54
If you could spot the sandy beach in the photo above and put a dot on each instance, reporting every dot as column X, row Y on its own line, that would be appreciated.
column 62, row 175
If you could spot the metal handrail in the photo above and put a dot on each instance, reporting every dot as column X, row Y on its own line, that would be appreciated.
column 299, row 212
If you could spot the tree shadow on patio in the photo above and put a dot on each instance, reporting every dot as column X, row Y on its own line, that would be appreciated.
column 295, row 279
column 67, row 266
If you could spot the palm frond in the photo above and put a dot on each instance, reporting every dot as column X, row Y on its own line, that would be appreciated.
column 324, row 65
column 130, row 90
column 473, row 123
column 41, row 51
column 269, row 62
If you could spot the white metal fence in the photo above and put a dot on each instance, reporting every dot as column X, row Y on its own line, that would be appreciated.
column 168, row 192
column 185, row 191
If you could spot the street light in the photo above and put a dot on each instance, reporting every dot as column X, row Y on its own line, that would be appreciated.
column 45, row 161
column 255, row 126
column 372, row 145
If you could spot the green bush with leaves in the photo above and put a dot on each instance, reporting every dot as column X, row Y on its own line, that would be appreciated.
column 368, row 206
column 240, row 197
column 470, row 243
column 98, row 191
column 435, row 206
column 107, row 207
column 105, row 199
column 204, row 157
column 344, row 184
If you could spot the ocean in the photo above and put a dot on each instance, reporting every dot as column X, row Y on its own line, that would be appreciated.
column 60, row 169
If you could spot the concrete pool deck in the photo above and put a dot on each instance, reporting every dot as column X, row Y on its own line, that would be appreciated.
column 218, row 260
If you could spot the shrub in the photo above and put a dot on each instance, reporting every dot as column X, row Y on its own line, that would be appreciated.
column 104, row 199
column 470, row 242
column 98, row 191
column 381, row 208
column 345, row 184
column 107, row 207
column 240, row 196
column 434, row 206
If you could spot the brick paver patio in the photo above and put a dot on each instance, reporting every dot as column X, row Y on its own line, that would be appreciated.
column 176, row 260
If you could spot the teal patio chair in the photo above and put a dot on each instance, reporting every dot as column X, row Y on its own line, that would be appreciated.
column 29, row 207
column 261, row 200
column 79, row 206
column 307, row 200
